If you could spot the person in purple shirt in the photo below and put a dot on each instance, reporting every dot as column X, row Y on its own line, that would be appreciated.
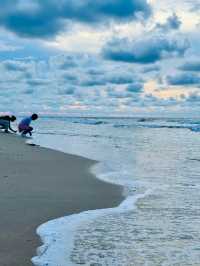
column 24, row 126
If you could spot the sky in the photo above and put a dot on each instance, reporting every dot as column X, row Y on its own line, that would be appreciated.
column 100, row 57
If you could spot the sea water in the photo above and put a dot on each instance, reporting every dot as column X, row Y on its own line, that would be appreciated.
column 157, row 161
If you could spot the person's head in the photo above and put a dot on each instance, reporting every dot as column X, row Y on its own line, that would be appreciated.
column 34, row 116
column 12, row 118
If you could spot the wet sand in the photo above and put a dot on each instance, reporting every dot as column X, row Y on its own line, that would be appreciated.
column 37, row 185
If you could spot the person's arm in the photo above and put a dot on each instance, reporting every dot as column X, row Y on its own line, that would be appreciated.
column 14, row 131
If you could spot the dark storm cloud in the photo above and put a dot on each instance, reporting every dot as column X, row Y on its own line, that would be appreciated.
column 186, row 79
column 191, row 66
column 46, row 18
column 144, row 51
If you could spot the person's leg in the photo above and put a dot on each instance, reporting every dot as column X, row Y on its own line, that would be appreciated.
column 4, row 124
column 28, row 130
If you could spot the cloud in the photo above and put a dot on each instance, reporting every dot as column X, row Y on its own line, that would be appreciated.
column 191, row 66
column 145, row 50
column 113, row 77
column 130, row 92
column 120, row 78
column 195, row 5
column 69, row 90
column 191, row 100
column 95, row 72
column 151, row 100
column 184, row 79
column 46, row 18
column 65, row 61
column 116, row 81
column 11, row 65
column 29, row 91
column 93, row 82
column 7, row 47
column 135, row 87
column 118, row 94
column 173, row 23
column 70, row 77
column 37, row 82
column 90, row 71
column 152, row 68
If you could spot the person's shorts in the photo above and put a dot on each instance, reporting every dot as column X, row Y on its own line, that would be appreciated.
column 22, row 128
column 4, row 123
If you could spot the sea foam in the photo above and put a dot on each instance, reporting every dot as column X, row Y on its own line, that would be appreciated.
column 58, row 235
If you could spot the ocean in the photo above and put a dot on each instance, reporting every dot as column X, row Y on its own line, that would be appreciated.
column 157, row 161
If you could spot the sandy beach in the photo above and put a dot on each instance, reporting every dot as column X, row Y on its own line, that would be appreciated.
column 37, row 185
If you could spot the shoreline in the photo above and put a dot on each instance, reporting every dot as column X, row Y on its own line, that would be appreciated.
column 29, row 176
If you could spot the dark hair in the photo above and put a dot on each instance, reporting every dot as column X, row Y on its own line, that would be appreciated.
column 34, row 116
column 12, row 118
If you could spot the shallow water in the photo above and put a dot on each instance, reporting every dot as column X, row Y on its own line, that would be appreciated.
column 158, row 162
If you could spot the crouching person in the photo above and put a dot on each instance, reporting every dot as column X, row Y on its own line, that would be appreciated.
column 5, row 123
column 24, row 126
